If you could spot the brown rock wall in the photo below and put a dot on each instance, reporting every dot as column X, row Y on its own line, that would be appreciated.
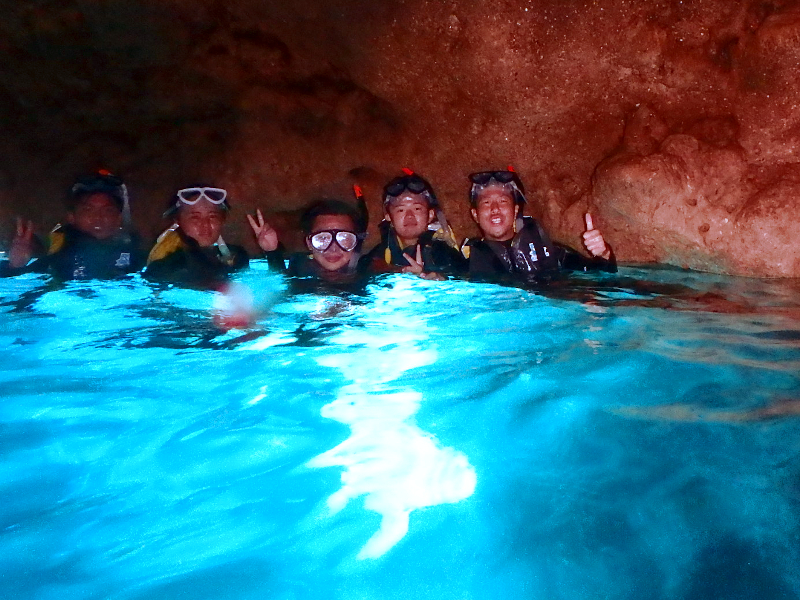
column 664, row 117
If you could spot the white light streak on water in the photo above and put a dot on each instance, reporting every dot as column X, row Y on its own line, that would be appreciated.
column 388, row 459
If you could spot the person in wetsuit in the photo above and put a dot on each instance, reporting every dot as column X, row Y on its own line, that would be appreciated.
column 518, row 246
column 408, row 244
column 95, row 242
column 334, row 233
column 192, row 251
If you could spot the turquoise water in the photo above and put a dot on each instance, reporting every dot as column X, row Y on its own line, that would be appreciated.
column 608, row 439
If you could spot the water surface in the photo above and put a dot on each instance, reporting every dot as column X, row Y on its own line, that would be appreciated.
column 629, row 436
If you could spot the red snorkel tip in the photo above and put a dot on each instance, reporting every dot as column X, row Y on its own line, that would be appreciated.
column 511, row 168
column 357, row 191
column 407, row 171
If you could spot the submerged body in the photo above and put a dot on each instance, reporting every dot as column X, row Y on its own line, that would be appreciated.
column 415, row 235
column 95, row 242
column 334, row 236
column 517, row 246
column 437, row 256
column 73, row 254
column 528, row 255
column 178, row 258
column 192, row 251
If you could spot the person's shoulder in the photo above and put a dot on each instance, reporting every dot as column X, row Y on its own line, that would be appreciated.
column 378, row 250
column 241, row 258
column 472, row 244
column 62, row 237
column 445, row 257
column 301, row 265
column 168, row 244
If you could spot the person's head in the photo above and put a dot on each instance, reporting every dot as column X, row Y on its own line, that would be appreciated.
column 496, row 198
column 334, row 231
column 200, row 212
column 95, row 205
column 409, row 206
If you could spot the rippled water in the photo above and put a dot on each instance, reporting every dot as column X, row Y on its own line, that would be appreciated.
column 633, row 436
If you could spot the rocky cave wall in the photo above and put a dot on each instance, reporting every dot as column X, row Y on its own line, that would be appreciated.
column 675, row 121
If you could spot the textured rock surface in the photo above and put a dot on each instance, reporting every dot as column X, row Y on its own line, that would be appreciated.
column 677, row 122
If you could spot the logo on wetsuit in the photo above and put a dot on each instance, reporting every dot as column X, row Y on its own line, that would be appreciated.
column 124, row 260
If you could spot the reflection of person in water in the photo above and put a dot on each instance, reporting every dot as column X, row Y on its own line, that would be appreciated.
column 515, row 245
column 96, row 242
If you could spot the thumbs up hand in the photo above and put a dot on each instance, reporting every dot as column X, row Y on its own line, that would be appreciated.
column 593, row 240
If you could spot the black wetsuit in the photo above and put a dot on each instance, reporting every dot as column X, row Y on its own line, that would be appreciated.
column 529, row 256
column 437, row 255
column 183, row 261
column 76, row 255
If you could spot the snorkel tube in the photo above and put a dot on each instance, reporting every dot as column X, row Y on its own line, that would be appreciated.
column 361, row 205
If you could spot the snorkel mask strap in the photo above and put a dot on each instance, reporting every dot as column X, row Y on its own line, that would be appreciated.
column 522, row 201
column 126, row 206
column 361, row 204
column 447, row 231
column 127, row 221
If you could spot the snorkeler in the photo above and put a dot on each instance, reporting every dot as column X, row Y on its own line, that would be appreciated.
column 408, row 243
column 192, row 250
column 95, row 242
column 517, row 245
column 334, row 233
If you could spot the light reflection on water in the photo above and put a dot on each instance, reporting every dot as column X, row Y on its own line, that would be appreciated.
column 605, row 439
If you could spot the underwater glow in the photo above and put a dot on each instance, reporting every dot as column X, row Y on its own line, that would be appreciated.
column 424, row 440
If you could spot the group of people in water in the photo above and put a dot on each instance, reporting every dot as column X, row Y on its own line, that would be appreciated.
column 97, row 240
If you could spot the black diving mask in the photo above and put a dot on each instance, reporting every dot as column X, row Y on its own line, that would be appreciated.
column 414, row 184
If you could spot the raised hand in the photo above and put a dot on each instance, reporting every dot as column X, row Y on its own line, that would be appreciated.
column 593, row 240
column 21, row 250
column 418, row 267
column 266, row 236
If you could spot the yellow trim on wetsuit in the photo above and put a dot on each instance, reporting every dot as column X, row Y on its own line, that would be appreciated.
column 167, row 243
column 56, row 240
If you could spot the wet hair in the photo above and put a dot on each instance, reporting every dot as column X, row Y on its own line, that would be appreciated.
column 330, row 206
column 84, row 187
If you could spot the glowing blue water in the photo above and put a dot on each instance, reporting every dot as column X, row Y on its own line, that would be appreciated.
column 429, row 440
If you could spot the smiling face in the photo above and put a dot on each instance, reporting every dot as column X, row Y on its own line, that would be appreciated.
column 409, row 215
column 97, row 215
column 333, row 258
column 495, row 212
column 202, row 222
